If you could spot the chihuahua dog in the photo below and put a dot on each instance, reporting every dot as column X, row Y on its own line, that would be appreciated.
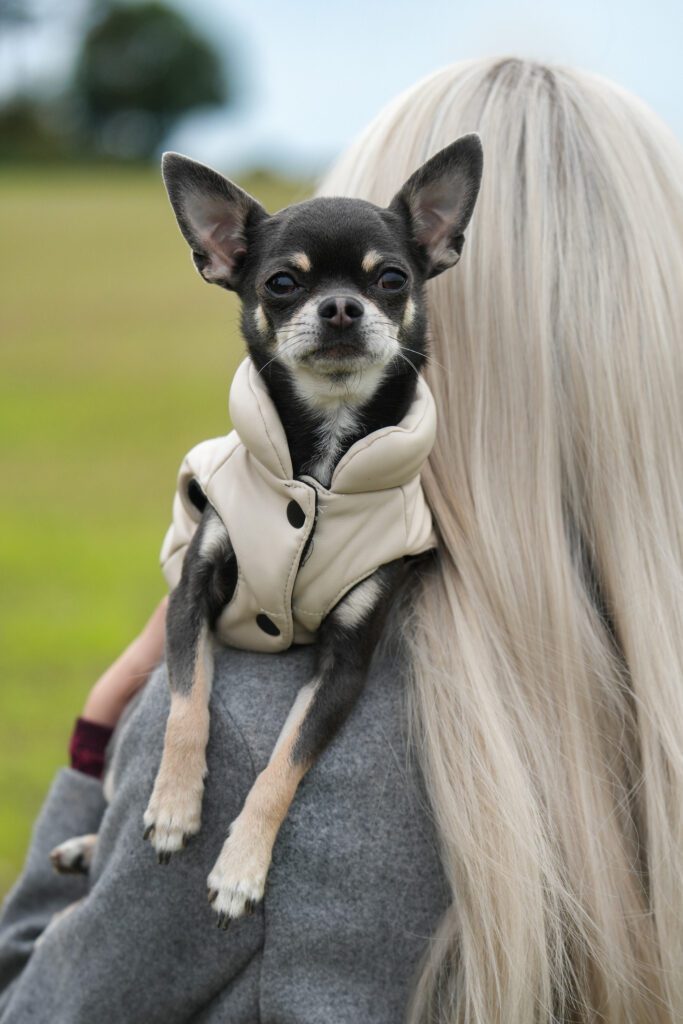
column 334, row 318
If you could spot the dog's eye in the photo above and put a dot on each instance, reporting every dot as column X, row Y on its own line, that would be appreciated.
column 282, row 284
column 392, row 280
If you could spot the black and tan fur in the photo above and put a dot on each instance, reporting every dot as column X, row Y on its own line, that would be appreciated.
column 333, row 313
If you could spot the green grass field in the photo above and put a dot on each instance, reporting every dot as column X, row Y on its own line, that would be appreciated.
column 115, row 358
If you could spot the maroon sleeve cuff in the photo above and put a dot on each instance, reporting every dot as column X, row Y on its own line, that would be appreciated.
column 88, row 745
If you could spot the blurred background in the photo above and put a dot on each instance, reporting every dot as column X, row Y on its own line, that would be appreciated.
column 114, row 357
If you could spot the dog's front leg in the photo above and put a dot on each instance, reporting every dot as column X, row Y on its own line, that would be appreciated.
column 346, row 641
column 206, row 585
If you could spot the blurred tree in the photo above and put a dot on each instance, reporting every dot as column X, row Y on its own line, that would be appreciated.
column 26, row 133
column 140, row 69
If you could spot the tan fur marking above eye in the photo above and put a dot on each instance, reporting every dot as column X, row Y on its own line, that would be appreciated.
column 370, row 260
column 301, row 261
column 260, row 320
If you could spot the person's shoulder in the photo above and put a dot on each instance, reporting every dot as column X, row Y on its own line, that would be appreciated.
column 252, row 694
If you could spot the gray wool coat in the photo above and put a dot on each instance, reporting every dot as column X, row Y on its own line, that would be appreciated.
column 354, row 893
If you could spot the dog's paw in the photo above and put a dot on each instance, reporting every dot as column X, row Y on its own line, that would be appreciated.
column 74, row 856
column 238, row 879
column 171, row 819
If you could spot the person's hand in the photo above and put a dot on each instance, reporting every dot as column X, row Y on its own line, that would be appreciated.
column 129, row 673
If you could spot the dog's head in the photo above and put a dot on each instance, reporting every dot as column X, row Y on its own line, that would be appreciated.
column 331, row 288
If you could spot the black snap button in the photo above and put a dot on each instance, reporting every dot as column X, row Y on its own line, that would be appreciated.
column 296, row 515
column 267, row 625
column 196, row 494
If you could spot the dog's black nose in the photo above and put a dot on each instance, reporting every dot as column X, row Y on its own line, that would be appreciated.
column 340, row 311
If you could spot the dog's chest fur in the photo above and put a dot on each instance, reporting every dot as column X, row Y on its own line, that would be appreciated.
column 336, row 428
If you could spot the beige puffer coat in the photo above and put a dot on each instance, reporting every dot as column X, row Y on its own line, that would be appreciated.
column 373, row 512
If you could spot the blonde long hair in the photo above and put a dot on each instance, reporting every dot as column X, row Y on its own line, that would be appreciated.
column 547, row 645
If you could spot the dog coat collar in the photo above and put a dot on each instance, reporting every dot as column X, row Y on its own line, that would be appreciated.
column 387, row 458
column 301, row 546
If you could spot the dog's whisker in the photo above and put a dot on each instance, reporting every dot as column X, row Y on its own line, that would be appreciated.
column 399, row 355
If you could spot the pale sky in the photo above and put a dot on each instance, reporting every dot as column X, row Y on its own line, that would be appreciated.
column 315, row 72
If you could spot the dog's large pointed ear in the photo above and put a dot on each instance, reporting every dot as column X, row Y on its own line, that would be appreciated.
column 438, row 200
column 214, row 215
